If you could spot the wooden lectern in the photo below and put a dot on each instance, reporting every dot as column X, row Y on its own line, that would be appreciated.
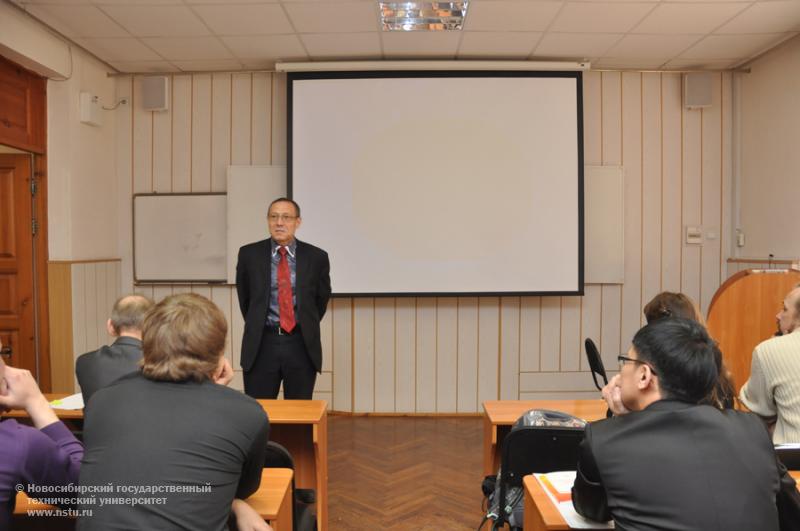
column 742, row 314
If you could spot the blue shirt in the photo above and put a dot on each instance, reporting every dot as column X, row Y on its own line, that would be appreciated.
column 273, row 313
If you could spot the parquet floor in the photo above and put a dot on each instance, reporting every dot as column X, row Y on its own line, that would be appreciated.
column 404, row 473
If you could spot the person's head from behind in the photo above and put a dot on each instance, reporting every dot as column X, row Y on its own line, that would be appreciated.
column 669, row 304
column 183, row 339
column 788, row 319
column 670, row 359
column 127, row 316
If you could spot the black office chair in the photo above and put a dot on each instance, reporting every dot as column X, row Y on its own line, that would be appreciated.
column 304, row 518
column 595, row 363
column 790, row 457
column 534, row 449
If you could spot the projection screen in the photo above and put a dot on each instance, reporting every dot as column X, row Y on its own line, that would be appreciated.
column 440, row 183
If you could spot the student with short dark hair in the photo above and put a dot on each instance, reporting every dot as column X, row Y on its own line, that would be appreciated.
column 667, row 462
column 175, row 447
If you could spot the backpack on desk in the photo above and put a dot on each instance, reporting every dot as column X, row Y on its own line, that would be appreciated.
column 513, row 507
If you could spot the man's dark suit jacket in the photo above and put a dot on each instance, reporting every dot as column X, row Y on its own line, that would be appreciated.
column 677, row 466
column 97, row 369
column 312, row 289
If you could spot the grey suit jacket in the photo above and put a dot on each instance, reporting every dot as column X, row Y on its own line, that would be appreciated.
column 97, row 369
column 678, row 466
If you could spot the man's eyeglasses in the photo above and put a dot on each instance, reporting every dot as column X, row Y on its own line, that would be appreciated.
column 282, row 217
column 624, row 359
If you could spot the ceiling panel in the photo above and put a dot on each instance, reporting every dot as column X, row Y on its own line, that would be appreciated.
column 120, row 49
column 600, row 17
column 245, row 19
column 285, row 47
column 420, row 44
column 644, row 46
column 731, row 46
column 344, row 45
column 188, row 48
column 508, row 45
column 344, row 17
column 78, row 20
column 157, row 21
column 689, row 18
column 505, row 15
column 576, row 44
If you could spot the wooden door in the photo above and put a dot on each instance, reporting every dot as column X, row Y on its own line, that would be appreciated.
column 17, row 317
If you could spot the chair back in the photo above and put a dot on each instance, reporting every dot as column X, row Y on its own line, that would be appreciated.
column 789, row 456
column 595, row 363
column 538, row 449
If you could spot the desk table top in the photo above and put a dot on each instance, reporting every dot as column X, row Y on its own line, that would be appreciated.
column 506, row 412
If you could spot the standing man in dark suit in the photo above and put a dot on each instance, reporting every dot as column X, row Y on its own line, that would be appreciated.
column 283, row 286
column 665, row 462
column 99, row 368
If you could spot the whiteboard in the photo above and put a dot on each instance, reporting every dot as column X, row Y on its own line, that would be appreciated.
column 179, row 237
column 604, row 208
column 250, row 191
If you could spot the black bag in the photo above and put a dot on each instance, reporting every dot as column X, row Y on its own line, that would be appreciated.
column 513, row 505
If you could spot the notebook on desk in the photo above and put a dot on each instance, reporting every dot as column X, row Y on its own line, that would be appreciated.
column 558, row 486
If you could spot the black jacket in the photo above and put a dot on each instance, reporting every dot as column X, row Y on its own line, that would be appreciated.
column 312, row 289
column 97, row 369
column 677, row 466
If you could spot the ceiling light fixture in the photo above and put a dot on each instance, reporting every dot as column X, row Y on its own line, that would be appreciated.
column 423, row 16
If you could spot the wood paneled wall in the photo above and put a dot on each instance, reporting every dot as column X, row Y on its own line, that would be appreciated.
column 448, row 354
column 82, row 294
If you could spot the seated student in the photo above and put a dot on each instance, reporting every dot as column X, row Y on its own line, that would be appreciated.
column 666, row 462
column 175, row 446
column 668, row 304
column 46, row 455
column 773, row 389
column 99, row 368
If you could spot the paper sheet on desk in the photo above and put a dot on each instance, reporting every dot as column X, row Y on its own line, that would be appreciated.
column 68, row 402
column 558, row 486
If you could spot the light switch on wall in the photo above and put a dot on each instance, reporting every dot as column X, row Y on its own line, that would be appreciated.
column 694, row 235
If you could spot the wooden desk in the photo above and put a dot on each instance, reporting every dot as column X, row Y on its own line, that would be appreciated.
column 500, row 415
column 272, row 500
column 541, row 514
column 299, row 425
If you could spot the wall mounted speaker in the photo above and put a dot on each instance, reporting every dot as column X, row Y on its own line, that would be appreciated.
column 155, row 93
column 697, row 89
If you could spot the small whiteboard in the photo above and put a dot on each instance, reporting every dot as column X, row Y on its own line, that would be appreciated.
column 250, row 191
column 604, row 229
column 179, row 237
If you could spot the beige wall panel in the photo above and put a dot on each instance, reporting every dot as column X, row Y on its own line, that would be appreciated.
column 529, row 333
column 342, row 317
column 238, row 381
column 279, row 119
column 124, row 163
column 568, row 395
column 571, row 341
column 205, row 291
column 221, row 296
column 161, row 291
column 671, row 222
column 62, row 358
column 611, row 296
column 261, row 138
column 488, row 348
column 592, row 119
column 363, row 354
column 220, row 130
column 241, row 118
column 145, row 290
column 556, row 382
column 103, row 307
column 467, row 354
column 509, row 347
column 236, row 330
column 178, row 288
column 590, row 320
column 181, row 110
column 384, row 354
column 90, row 301
column 726, row 193
column 651, row 187
column 201, row 133
column 142, row 143
column 426, row 355
column 162, row 150
column 447, row 355
column 692, row 199
column 550, row 353
column 632, row 160
column 324, row 383
column 326, row 338
column 406, row 348
column 711, row 189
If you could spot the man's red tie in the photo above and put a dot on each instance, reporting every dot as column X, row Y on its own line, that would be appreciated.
column 285, row 292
